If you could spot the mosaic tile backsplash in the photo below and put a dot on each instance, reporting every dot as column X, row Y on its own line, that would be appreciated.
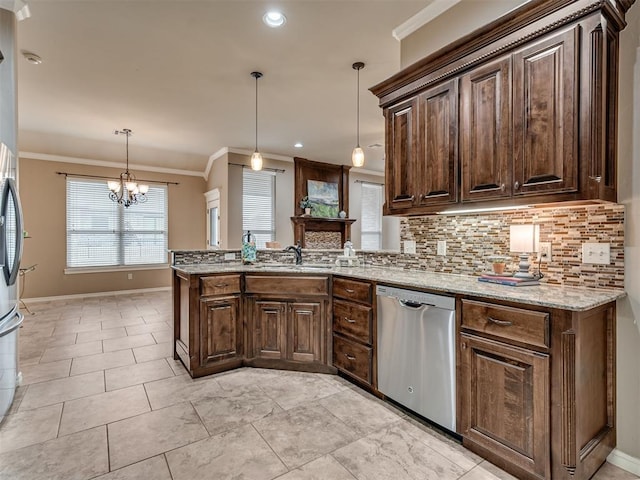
column 471, row 239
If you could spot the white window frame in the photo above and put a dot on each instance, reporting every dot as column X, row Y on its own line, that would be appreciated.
column 121, row 234
column 261, row 235
column 365, row 230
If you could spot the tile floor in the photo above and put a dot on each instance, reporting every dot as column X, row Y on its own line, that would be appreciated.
column 103, row 399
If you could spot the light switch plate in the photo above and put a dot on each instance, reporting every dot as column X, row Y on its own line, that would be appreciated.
column 596, row 253
column 229, row 256
column 410, row 246
column 544, row 252
column 442, row 248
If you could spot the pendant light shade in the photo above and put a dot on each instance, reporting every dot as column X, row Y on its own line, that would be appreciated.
column 256, row 158
column 357, row 157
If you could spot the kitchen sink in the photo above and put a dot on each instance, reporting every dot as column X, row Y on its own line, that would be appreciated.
column 289, row 266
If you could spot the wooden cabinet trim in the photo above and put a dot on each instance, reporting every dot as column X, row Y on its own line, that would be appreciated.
column 287, row 285
column 353, row 290
column 219, row 285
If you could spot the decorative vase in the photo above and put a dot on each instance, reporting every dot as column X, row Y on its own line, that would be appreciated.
column 307, row 211
column 498, row 267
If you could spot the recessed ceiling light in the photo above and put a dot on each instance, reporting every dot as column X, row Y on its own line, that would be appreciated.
column 31, row 57
column 298, row 145
column 274, row 19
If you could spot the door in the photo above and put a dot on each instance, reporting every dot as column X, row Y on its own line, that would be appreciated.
column 437, row 163
column 401, row 154
column 304, row 332
column 545, row 110
column 269, row 329
column 485, row 137
column 213, row 219
column 504, row 402
column 220, row 329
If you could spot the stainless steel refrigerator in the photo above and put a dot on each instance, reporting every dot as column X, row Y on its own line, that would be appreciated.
column 11, row 239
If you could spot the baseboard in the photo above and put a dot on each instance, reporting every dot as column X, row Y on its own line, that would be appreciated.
column 624, row 461
column 95, row 294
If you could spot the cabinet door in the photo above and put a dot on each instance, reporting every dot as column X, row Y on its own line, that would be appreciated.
column 304, row 332
column 220, row 329
column 436, row 170
column 504, row 402
column 401, row 154
column 269, row 329
column 545, row 109
column 485, row 120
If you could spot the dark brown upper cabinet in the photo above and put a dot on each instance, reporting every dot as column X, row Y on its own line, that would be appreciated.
column 520, row 112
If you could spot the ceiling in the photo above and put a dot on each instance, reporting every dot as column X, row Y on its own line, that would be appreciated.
column 177, row 72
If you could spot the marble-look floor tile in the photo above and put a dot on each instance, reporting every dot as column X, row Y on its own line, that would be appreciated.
column 322, row 468
column 117, row 332
column 488, row 471
column 441, row 444
column 103, row 408
column 362, row 414
column 122, row 322
column 17, row 400
column 304, row 433
column 147, row 328
column 76, row 328
column 157, row 317
column 611, row 472
column 71, row 351
column 226, row 410
column 153, row 352
column 181, row 388
column 42, row 372
column 63, row 389
column 239, row 453
column 75, row 457
column 152, row 433
column 162, row 336
column 102, row 361
column 137, row 373
column 176, row 366
column 154, row 468
column 393, row 454
column 122, row 343
column 28, row 428
column 245, row 377
column 290, row 391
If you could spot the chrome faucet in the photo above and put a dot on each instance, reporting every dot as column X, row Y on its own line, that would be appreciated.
column 297, row 251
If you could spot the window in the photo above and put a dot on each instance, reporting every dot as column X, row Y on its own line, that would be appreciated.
column 371, row 226
column 101, row 233
column 258, row 205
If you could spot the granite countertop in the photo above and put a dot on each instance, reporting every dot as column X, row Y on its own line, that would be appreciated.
column 553, row 296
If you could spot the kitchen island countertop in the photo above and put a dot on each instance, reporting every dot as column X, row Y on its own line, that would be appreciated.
column 552, row 296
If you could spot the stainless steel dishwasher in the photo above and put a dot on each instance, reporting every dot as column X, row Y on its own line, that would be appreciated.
column 416, row 352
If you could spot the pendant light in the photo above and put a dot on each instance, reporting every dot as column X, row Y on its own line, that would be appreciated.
column 357, row 157
column 256, row 158
column 126, row 190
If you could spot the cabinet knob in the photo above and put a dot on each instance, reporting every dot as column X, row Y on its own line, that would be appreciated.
column 463, row 345
column 503, row 187
column 516, row 186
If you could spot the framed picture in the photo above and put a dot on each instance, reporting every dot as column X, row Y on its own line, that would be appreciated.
column 324, row 198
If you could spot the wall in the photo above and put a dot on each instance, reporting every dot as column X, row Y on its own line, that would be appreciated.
column 628, row 333
column 43, row 195
column 8, row 123
column 455, row 23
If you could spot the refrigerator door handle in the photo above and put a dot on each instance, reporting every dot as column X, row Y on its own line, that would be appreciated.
column 11, row 266
column 12, row 324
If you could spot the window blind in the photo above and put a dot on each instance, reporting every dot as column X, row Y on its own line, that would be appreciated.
column 258, row 205
column 371, row 226
column 102, row 233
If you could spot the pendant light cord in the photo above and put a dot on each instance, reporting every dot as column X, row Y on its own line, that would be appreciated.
column 256, row 112
column 358, row 109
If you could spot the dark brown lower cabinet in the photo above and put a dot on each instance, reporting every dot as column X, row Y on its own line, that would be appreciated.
column 505, row 402
column 269, row 329
column 220, row 329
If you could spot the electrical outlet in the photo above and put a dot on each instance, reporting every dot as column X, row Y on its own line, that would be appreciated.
column 544, row 253
column 229, row 256
column 596, row 253
column 410, row 246
column 129, row 276
column 442, row 248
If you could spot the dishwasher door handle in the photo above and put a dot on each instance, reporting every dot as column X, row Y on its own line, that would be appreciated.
column 412, row 305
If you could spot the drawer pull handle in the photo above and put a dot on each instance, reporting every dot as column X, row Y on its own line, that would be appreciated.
column 221, row 285
column 348, row 290
column 349, row 357
column 349, row 320
column 502, row 323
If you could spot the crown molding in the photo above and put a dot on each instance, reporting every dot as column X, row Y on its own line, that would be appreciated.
column 424, row 16
column 101, row 163
column 272, row 156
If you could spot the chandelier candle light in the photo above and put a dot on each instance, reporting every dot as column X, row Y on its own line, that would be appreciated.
column 127, row 191
column 256, row 158
column 357, row 157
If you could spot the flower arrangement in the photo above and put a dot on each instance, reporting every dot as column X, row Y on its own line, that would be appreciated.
column 305, row 202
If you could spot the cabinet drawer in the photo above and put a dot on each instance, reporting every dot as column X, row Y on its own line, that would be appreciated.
column 352, row 358
column 286, row 285
column 515, row 324
column 219, row 285
column 353, row 320
column 352, row 290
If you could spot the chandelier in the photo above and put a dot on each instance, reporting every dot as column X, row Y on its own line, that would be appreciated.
column 127, row 191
